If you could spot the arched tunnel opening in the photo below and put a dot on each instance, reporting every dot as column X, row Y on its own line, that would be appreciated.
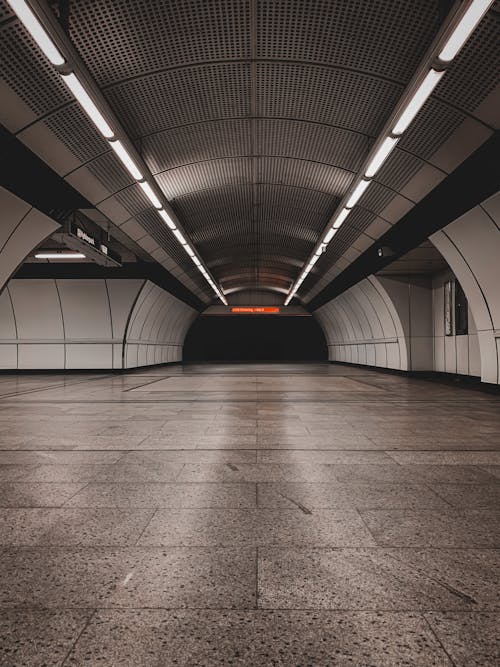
column 255, row 338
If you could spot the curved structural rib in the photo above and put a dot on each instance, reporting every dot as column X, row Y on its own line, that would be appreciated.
column 22, row 228
column 471, row 246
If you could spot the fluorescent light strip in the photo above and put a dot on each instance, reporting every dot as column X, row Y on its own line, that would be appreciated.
column 179, row 236
column 329, row 235
column 83, row 98
column 355, row 196
column 418, row 100
column 381, row 156
column 126, row 160
column 148, row 191
column 60, row 255
column 464, row 29
column 167, row 219
column 37, row 31
column 339, row 219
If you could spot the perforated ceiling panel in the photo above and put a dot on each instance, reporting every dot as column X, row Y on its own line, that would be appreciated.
column 254, row 117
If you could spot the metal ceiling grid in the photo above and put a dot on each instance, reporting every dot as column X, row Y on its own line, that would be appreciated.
column 399, row 169
column 158, row 35
column 474, row 73
column 351, row 100
column 431, row 128
column 162, row 100
column 162, row 236
column 378, row 37
column 5, row 12
column 223, row 207
column 311, row 141
column 377, row 197
column 324, row 78
column 196, row 143
column 303, row 174
column 72, row 126
column 205, row 175
column 109, row 171
column 133, row 199
column 27, row 71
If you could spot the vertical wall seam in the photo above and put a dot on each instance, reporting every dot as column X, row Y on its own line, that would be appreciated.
column 62, row 321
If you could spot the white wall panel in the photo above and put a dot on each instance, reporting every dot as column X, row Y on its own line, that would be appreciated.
column 89, row 355
column 37, row 308
column 90, row 324
column 363, row 326
column 41, row 355
column 85, row 308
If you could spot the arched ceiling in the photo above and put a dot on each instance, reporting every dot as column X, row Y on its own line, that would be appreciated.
column 254, row 117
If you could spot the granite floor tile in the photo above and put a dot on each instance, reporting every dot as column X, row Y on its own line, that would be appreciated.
column 39, row 638
column 256, row 472
column 434, row 528
column 157, row 637
column 256, row 527
column 197, row 456
column 472, row 496
column 324, row 456
column 378, row 579
column 129, row 577
column 59, row 457
column 470, row 639
column 30, row 494
column 360, row 505
column 154, row 495
column 349, row 495
column 448, row 474
column 475, row 458
column 72, row 527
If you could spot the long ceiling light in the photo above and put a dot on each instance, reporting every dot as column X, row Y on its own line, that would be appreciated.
column 466, row 26
column 87, row 104
column 45, row 42
column 59, row 255
column 417, row 101
column 126, row 160
column 37, row 31
column 420, row 93
column 357, row 193
column 386, row 147
column 151, row 194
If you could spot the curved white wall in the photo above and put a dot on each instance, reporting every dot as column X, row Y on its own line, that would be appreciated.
column 22, row 228
column 157, row 328
column 362, row 326
column 78, row 324
column 471, row 246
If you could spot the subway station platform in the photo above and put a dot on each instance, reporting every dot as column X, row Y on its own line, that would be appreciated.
column 260, row 514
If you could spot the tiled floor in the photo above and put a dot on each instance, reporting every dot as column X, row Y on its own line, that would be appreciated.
column 248, row 515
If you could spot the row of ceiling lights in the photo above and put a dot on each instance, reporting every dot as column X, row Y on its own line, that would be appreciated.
column 463, row 30
column 53, row 54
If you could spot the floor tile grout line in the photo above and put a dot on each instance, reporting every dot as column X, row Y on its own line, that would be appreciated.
column 436, row 636
column 80, row 634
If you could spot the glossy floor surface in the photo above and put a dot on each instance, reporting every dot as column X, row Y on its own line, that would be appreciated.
column 248, row 515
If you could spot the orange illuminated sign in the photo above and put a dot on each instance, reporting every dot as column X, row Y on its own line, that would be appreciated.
column 255, row 310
